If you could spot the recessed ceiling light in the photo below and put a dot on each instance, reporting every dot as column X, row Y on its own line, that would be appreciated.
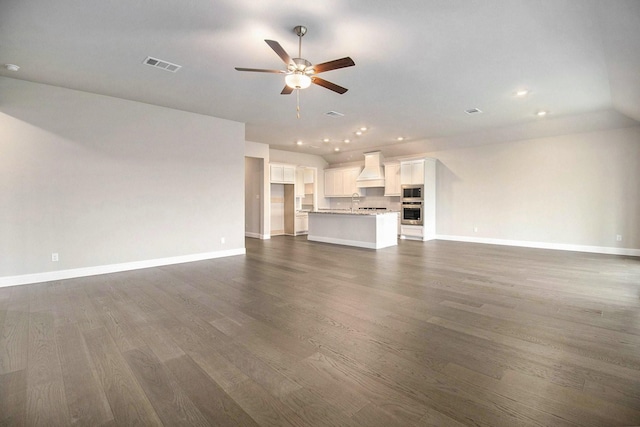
column 11, row 67
column 299, row 142
column 359, row 133
column 363, row 129
column 473, row 111
column 336, row 149
column 400, row 138
column 542, row 113
column 522, row 92
column 326, row 140
column 346, row 141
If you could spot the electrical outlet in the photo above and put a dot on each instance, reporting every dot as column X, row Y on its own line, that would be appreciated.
column 619, row 237
column 222, row 240
column 475, row 229
column 55, row 257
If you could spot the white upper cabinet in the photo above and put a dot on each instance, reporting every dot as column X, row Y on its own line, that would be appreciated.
column 392, row 179
column 300, row 182
column 289, row 174
column 341, row 182
column 412, row 172
column 283, row 174
column 308, row 176
column 349, row 184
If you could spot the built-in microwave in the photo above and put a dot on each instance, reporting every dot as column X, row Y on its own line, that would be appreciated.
column 412, row 192
column 411, row 213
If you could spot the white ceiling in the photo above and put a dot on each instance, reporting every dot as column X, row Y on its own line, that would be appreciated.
column 419, row 64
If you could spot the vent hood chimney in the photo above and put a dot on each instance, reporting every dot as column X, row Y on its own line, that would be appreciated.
column 372, row 175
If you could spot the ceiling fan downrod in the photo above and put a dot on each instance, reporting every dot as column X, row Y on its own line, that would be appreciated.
column 300, row 31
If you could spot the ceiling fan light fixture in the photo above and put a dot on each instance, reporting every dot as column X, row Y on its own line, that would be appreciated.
column 298, row 80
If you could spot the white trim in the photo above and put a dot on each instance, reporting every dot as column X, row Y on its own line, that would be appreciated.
column 257, row 235
column 544, row 245
column 113, row 268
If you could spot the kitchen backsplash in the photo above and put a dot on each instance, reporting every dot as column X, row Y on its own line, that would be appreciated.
column 373, row 198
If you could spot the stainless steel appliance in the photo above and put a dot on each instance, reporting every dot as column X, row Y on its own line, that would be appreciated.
column 412, row 193
column 412, row 213
column 412, row 205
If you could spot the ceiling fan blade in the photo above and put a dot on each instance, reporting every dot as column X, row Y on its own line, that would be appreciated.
column 261, row 70
column 333, row 65
column 331, row 86
column 280, row 51
column 287, row 90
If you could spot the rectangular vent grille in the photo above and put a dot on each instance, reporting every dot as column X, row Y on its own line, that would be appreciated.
column 334, row 114
column 159, row 63
column 473, row 111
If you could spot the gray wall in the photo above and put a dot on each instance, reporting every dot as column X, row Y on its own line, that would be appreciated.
column 253, row 196
column 578, row 189
column 105, row 181
column 260, row 155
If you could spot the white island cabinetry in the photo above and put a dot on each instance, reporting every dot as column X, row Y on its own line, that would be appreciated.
column 364, row 230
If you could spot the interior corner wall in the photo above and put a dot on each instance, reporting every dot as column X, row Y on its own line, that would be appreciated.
column 253, row 196
column 104, row 181
column 580, row 189
column 257, row 150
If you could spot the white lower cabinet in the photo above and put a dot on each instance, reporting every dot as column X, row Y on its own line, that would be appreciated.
column 412, row 231
column 302, row 223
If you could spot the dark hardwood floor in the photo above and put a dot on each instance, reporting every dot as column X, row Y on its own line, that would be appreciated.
column 308, row 334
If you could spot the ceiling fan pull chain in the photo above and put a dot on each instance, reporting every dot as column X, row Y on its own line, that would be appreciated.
column 298, row 103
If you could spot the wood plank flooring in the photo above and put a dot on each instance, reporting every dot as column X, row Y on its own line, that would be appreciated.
column 298, row 333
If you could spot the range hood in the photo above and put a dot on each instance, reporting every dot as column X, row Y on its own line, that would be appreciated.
column 373, row 174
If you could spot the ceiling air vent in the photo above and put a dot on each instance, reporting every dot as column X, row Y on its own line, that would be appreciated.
column 334, row 114
column 165, row 65
column 473, row 111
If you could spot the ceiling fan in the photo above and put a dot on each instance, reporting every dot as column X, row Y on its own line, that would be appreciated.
column 300, row 73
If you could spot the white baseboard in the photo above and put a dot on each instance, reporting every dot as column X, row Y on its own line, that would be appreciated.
column 113, row 268
column 257, row 235
column 543, row 245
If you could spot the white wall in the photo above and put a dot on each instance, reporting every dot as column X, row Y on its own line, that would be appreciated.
column 104, row 181
column 580, row 189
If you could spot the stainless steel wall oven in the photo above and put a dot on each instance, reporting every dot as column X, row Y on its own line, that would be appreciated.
column 412, row 205
column 412, row 213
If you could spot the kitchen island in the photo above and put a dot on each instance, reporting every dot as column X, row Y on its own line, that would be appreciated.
column 364, row 229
